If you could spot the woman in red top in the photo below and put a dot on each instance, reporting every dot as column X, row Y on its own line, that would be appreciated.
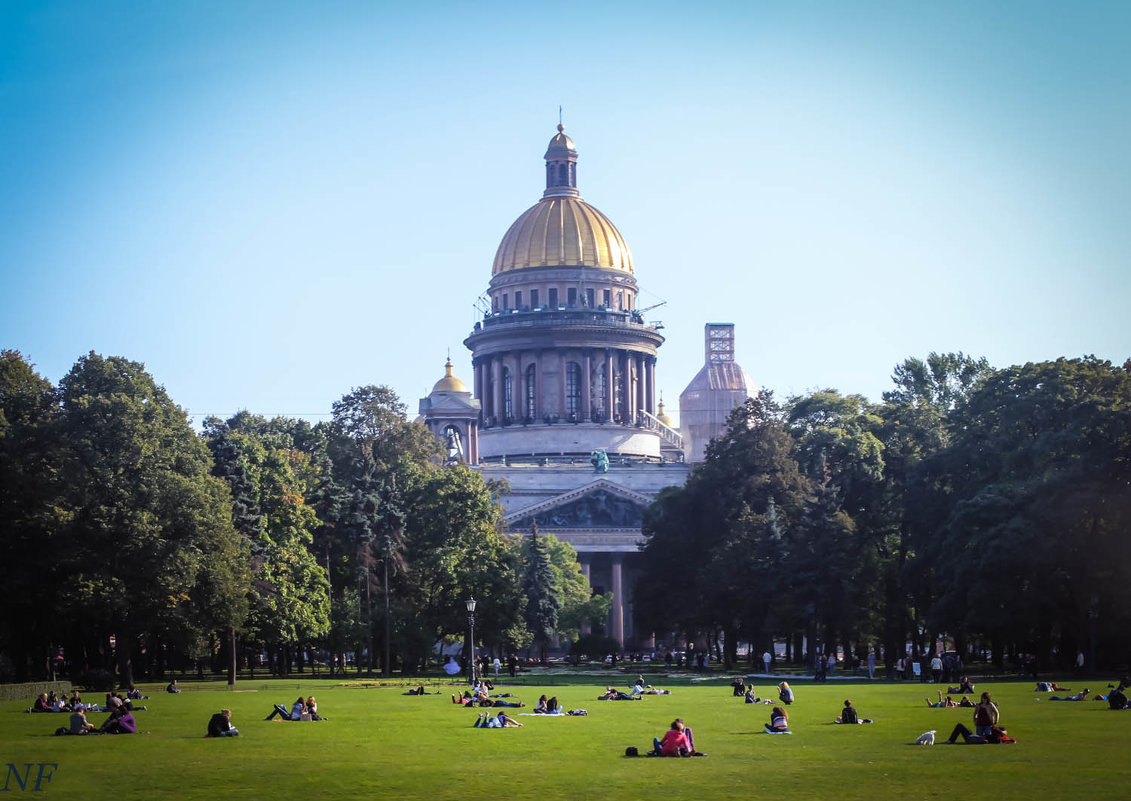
column 677, row 741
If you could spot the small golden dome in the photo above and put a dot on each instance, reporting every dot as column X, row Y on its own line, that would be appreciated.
column 560, row 142
column 663, row 418
column 449, row 383
column 562, row 231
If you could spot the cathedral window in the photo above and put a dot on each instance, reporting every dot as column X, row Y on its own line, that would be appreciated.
column 506, row 301
column 607, row 298
column 553, row 297
column 573, row 391
column 534, row 298
column 531, row 409
column 620, row 301
column 508, row 396
column 571, row 296
column 518, row 300
column 589, row 298
column 563, row 175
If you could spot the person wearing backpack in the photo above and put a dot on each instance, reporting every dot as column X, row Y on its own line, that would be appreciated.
column 985, row 716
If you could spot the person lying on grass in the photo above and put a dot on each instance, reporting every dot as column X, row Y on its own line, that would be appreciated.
column 297, row 708
column 995, row 735
column 613, row 694
column 650, row 690
column 678, row 741
column 220, row 725
column 1080, row 696
column 416, row 691
column 779, row 721
column 500, row 721
column 942, row 703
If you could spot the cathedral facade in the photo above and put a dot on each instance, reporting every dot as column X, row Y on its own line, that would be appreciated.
column 564, row 404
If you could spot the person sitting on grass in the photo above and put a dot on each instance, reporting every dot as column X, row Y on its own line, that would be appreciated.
column 173, row 688
column 678, row 741
column 121, row 721
column 312, row 709
column 540, row 708
column 996, row 734
column 40, row 704
column 1080, row 696
column 848, row 714
column 738, row 687
column 779, row 721
column 79, row 724
column 964, row 686
column 785, row 693
column 220, row 725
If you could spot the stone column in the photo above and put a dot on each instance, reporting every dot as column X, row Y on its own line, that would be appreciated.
column 650, row 402
column 497, row 388
column 641, row 386
column 617, row 611
column 587, row 386
column 562, row 386
column 610, row 375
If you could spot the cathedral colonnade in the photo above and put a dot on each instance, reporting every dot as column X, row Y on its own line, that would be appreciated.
column 583, row 384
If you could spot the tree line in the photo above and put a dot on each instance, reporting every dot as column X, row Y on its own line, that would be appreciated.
column 134, row 544
column 989, row 507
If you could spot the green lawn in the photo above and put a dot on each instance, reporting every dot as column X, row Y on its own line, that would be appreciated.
column 380, row 743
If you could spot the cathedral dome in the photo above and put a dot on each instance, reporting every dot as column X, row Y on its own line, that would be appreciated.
column 562, row 230
column 449, row 383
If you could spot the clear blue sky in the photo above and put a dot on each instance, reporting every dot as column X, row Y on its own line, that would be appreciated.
column 271, row 203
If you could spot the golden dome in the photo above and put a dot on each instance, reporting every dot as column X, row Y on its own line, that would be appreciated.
column 663, row 418
column 449, row 383
column 562, row 231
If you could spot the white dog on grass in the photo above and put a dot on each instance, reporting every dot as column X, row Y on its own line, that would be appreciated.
column 926, row 738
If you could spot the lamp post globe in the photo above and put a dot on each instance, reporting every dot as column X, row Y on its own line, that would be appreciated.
column 471, row 636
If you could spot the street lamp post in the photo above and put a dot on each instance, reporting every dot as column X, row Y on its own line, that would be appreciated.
column 471, row 644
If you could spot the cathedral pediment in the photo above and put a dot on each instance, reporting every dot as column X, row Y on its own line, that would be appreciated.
column 600, row 504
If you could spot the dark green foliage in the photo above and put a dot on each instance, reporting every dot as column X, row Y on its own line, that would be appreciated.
column 538, row 588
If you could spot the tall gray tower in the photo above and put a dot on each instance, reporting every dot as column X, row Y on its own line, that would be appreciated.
column 714, row 392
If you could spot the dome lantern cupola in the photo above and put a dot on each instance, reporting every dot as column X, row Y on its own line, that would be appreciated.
column 561, row 166
column 449, row 383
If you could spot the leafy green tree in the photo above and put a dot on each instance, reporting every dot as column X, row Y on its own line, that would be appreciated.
column 849, row 532
column 706, row 542
column 150, row 548
column 270, row 478
column 29, row 513
column 1031, row 552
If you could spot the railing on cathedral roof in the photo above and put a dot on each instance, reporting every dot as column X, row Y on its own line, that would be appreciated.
column 565, row 316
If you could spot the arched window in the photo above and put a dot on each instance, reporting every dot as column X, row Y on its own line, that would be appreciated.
column 573, row 391
column 508, row 396
column 531, row 409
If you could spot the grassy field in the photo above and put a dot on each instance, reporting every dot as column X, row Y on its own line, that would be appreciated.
column 378, row 742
